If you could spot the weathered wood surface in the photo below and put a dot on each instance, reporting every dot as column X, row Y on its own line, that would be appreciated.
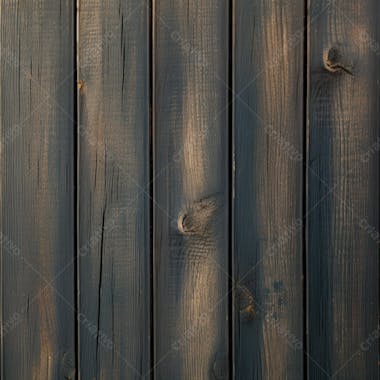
column 268, row 126
column 114, row 277
column 343, row 173
column 37, row 191
column 216, row 174
column 191, row 189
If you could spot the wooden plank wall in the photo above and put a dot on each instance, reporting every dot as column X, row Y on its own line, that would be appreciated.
column 189, row 189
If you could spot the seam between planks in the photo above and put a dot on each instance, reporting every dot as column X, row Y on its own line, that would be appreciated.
column 305, row 186
column 152, row 33
column 76, row 187
column 231, row 185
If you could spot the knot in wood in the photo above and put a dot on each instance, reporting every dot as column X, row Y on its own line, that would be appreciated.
column 68, row 366
column 220, row 366
column 245, row 303
column 333, row 61
column 196, row 218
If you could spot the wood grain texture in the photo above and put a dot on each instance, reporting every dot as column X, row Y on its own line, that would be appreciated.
column 268, row 125
column 37, row 192
column 191, row 189
column 114, row 203
column 343, row 178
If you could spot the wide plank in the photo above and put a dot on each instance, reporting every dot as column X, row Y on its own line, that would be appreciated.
column 343, row 174
column 268, row 174
column 191, row 230
column 37, row 189
column 114, row 220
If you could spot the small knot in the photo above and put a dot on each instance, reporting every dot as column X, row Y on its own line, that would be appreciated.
column 80, row 84
column 196, row 218
column 333, row 61
column 245, row 302
column 220, row 366
column 68, row 366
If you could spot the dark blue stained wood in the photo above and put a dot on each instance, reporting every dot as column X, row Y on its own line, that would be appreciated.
column 37, row 190
column 268, row 128
column 191, row 231
column 114, row 276
column 343, row 174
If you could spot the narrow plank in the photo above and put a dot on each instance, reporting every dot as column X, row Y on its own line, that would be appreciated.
column 268, row 128
column 37, row 190
column 343, row 190
column 191, row 189
column 113, row 183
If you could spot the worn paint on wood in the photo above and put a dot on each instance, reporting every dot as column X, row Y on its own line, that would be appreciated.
column 343, row 303
column 37, row 191
column 268, row 127
column 114, row 277
column 191, row 189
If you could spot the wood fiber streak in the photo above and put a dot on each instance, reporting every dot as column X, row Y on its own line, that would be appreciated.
column 114, row 239
column 191, row 189
column 36, row 189
column 343, row 271
column 268, row 127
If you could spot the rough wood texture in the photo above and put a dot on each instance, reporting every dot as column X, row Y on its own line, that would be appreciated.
column 113, row 181
column 37, row 192
column 233, row 182
column 268, row 127
column 343, row 181
column 191, row 189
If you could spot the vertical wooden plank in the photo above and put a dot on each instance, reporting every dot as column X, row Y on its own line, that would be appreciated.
column 343, row 190
column 114, row 243
column 191, row 189
column 268, row 125
column 37, row 191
